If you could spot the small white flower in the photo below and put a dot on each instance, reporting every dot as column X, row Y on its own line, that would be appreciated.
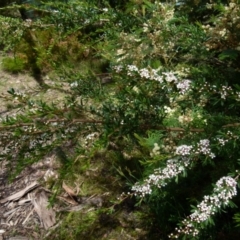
column 155, row 150
column 170, row 77
column 225, row 91
column 226, row 188
column 87, row 21
column 144, row 73
column 203, row 147
column 131, row 69
column 118, row 68
column 160, row 176
column 136, row 89
column 183, row 150
column 74, row 84
column 221, row 141
column 184, row 86
column 168, row 110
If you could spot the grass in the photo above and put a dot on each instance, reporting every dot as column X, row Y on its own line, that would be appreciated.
column 13, row 64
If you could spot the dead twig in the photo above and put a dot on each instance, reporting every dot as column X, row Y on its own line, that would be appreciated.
column 21, row 193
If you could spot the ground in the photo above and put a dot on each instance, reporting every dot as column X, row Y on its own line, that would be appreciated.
column 18, row 217
column 25, row 212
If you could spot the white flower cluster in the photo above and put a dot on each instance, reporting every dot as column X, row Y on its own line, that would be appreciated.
column 155, row 150
column 118, row 68
column 142, row 189
column 74, row 84
column 50, row 174
column 136, row 89
column 238, row 94
column 144, row 73
column 230, row 135
column 19, row 96
column 131, row 69
column 169, row 111
column 226, row 189
column 184, row 86
column 105, row 9
column 170, row 77
column 173, row 167
column 152, row 74
column 145, row 27
column 184, row 150
column 90, row 138
column 28, row 23
column 185, row 119
column 160, row 177
column 222, row 141
column 155, row 76
column 224, row 92
column 203, row 147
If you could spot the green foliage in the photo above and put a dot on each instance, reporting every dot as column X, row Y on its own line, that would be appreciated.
column 76, row 226
column 170, row 112
column 13, row 65
column 237, row 219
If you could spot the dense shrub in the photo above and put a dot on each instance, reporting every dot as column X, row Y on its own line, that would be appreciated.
column 170, row 116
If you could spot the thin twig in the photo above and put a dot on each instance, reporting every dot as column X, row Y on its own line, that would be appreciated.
column 74, row 121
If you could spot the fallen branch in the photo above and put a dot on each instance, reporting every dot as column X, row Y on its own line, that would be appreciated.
column 21, row 193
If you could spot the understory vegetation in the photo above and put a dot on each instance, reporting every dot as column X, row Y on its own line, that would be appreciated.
column 152, row 101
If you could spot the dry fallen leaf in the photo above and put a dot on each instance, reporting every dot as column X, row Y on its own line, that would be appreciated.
column 70, row 200
column 46, row 214
column 68, row 189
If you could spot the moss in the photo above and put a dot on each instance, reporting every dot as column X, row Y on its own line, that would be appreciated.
column 75, row 225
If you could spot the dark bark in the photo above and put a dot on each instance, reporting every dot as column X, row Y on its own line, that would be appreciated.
column 32, row 56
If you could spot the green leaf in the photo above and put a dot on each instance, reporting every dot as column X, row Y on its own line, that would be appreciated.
column 229, row 54
column 155, row 64
column 149, row 4
column 11, row 91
